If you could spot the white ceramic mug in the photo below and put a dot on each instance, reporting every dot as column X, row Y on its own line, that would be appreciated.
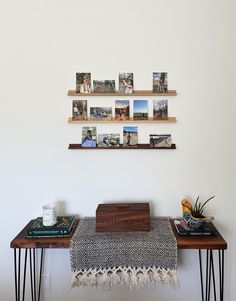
column 49, row 215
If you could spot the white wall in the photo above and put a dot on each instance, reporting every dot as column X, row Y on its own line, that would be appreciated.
column 43, row 45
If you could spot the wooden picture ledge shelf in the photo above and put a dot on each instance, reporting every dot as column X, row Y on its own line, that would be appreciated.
column 131, row 120
column 140, row 146
column 117, row 93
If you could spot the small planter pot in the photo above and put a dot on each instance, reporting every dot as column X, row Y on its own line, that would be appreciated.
column 196, row 223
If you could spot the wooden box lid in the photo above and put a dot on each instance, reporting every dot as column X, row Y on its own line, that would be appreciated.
column 123, row 207
column 123, row 217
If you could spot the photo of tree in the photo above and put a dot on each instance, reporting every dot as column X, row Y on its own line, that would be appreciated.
column 79, row 110
column 160, row 82
column 104, row 86
column 160, row 109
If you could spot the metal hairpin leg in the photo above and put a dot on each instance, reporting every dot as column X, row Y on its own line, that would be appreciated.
column 35, row 289
column 210, row 279
column 221, row 272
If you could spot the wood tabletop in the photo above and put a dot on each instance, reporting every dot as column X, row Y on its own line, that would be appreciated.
column 21, row 241
column 183, row 242
column 199, row 242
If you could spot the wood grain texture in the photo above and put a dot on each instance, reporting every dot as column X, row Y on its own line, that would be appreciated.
column 131, row 120
column 188, row 242
column 123, row 217
column 136, row 93
column 199, row 242
column 21, row 241
column 139, row 146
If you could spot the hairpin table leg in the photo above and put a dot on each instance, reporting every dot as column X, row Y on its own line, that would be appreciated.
column 221, row 273
column 210, row 277
column 35, row 290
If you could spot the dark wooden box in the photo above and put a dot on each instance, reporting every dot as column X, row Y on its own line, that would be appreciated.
column 123, row 217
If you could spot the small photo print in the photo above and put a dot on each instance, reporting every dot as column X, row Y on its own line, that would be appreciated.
column 104, row 86
column 130, row 136
column 126, row 83
column 140, row 109
column 89, row 136
column 83, row 83
column 160, row 82
column 108, row 140
column 79, row 110
column 122, row 109
column 160, row 109
column 100, row 113
column 162, row 140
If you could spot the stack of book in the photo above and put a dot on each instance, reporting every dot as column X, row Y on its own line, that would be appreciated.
column 62, row 228
column 182, row 229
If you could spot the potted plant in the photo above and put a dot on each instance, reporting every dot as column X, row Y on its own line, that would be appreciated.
column 194, row 215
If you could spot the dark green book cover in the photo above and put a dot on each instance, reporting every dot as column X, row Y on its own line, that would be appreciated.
column 61, row 228
column 184, row 230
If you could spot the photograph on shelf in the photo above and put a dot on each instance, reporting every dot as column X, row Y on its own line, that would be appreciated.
column 83, row 83
column 89, row 136
column 160, row 140
column 122, row 109
column 160, row 109
column 109, row 140
column 160, row 82
column 140, row 109
column 104, row 86
column 126, row 83
column 100, row 113
column 130, row 136
column 79, row 110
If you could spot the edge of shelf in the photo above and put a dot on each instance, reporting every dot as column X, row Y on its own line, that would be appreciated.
column 139, row 146
column 117, row 93
column 131, row 120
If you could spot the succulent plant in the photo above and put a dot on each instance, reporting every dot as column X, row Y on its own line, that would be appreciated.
column 198, row 208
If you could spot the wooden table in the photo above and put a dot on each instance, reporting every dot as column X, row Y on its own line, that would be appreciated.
column 208, row 278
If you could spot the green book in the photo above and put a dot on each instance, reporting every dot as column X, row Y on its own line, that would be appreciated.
column 184, row 230
column 63, row 227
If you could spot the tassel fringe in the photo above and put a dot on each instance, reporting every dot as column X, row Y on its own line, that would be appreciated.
column 134, row 278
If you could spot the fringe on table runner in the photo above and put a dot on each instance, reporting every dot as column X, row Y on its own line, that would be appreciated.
column 134, row 278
